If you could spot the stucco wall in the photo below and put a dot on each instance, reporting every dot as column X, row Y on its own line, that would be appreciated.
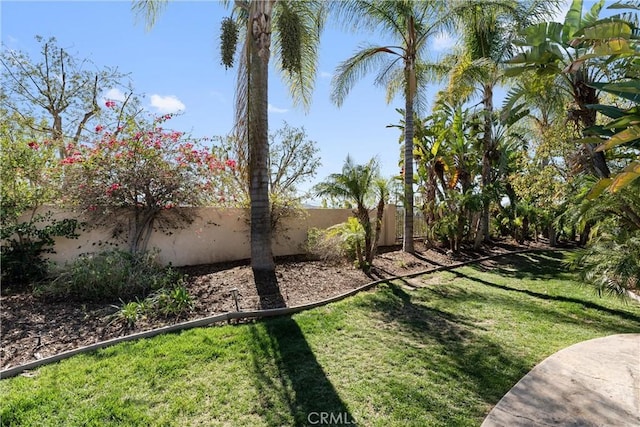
column 217, row 235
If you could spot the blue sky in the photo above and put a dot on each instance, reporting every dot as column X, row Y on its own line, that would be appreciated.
column 177, row 66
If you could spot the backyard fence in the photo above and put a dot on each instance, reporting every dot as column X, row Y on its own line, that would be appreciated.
column 419, row 224
column 214, row 235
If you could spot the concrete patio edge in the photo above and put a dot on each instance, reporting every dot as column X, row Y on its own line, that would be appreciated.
column 591, row 383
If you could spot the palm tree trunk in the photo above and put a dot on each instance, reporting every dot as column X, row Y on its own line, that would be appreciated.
column 376, row 236
column 363, row 218
column 262, row 262
column 586, row 95
column 488, row 147
column 407, row 240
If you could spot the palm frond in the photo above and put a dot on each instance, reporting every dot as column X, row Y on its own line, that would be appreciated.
column 148, row 10
column 366, row 59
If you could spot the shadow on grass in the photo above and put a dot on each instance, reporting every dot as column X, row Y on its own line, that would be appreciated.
column 560, row 298
column 533, row 266
column 492, row 369
column 293, row 388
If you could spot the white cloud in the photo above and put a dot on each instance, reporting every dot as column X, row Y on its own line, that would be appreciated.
column 325, row 75
column 274, row 109
column 115, row 94
column 167, row 104
column 443, row 41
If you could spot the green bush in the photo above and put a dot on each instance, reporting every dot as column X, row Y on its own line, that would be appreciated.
column 110, row 276
column 23, row 248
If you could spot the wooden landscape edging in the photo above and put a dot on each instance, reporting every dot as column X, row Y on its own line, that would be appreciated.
column 242, row 315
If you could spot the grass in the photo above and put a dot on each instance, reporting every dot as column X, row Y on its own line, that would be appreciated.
column 441, row 355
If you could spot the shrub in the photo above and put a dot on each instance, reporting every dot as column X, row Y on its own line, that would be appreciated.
column 23, row 248
column 110, row 276
column 344, row 240
column 322, row 246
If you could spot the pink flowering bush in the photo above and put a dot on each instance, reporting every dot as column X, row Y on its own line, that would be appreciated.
column 133, row 175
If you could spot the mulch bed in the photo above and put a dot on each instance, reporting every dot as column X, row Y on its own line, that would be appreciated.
column 33, row 328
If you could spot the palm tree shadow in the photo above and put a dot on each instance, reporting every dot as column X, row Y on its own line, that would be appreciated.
column 293, row 387
column 469, row 351
column 269, row 293
column 561, row 298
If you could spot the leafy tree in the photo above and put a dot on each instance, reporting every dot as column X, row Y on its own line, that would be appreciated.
column 293, row 159
column 402, row 66
column 30, row 178
column 57, row 96
column 296, row 27
column 611, row 261
column 133, row 176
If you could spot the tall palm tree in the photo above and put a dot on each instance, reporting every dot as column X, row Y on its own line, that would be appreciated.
column 488, row 29
column 296, row 27
column 402, row 66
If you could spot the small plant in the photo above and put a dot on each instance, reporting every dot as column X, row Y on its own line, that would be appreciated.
column 110, row 276
column 130, row 313
column 172, row 302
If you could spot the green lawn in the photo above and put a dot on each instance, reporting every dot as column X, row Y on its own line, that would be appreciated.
column 441, row 355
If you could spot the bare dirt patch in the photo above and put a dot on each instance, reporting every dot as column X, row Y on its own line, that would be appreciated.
column 33, row 328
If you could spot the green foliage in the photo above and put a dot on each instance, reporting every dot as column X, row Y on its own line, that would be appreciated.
column 611, row 260
column 109, row 276
column 173, row 301
column 339, row 242
column 610, row 264
column 24, row 245
column 28, row 168
column 359, row 184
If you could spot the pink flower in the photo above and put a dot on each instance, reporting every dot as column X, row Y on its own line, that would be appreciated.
column 110, row 104
column 99, row 128
column 112, row 188
column 34, row 145
column 92, row 208
column 231, row 163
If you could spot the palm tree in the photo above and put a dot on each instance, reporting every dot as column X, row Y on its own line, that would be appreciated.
column 358, row 183
column 296, row 27
column 551, row 49
column 402, row 67
column 488, row 29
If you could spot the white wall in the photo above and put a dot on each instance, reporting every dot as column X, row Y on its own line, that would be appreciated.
column 216, row 235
